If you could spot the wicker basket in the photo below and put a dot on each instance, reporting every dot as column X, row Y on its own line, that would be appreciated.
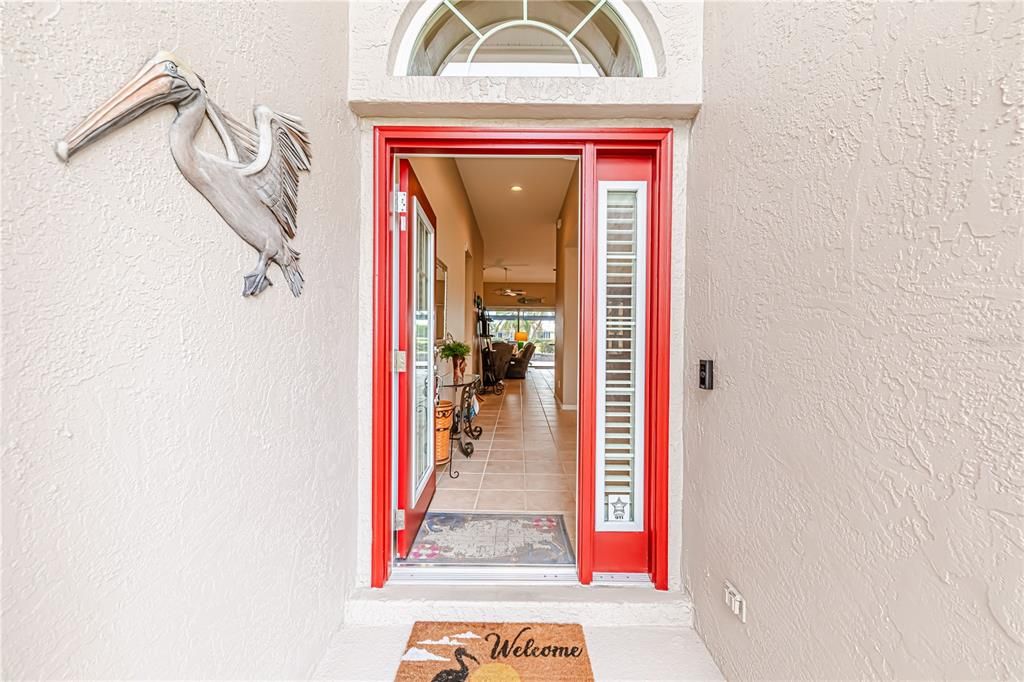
column 443, row 412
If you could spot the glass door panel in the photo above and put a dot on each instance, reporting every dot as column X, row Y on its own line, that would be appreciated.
column 422, row 392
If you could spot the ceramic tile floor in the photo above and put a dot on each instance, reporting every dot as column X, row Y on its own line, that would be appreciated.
column 524, row 461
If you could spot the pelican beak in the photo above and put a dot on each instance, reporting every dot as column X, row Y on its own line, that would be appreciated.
column 154, row 85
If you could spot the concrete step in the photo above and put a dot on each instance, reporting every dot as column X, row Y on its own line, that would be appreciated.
column 595, row 605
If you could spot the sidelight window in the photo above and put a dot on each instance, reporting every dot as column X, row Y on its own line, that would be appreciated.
column 621, row 322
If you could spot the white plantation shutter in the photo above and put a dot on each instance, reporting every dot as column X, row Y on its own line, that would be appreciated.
column 621, row 323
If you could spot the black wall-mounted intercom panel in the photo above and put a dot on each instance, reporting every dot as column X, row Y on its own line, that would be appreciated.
column 706, row 378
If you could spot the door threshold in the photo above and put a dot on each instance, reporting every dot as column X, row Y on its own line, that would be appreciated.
column 634, row 579
column 484, row 575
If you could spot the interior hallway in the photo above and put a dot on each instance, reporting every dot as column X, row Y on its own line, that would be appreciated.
column 524, row 461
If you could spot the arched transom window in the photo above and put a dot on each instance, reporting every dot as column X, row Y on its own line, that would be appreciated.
column 525, row 38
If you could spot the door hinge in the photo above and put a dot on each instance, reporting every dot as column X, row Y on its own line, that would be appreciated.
column 399, row 519
column 399, row 202
column 400, row 361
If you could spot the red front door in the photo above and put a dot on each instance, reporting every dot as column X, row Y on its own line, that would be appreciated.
column 414, row 356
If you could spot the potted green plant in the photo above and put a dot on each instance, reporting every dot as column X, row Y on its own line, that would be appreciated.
column 457, row 352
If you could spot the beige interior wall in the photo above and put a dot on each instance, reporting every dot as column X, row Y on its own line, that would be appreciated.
column 179, row 469
column 544, row 290
column 567, row 292
column 457, row 233
column 854, row 267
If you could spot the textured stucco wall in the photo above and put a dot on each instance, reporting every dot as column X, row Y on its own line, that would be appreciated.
column 178, row 463
column 854, row 267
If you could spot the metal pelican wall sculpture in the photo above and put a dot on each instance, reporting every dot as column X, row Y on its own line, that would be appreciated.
column 254, row 187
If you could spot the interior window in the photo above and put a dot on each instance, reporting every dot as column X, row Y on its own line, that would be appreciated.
column 539, row 325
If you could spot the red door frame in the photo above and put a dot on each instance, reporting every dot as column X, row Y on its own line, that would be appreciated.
column 587, row 143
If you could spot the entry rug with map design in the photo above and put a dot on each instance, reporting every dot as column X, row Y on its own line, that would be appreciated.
column 476, row 538
column 495, row 652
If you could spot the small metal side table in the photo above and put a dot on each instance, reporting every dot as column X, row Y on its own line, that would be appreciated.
column 463, row 429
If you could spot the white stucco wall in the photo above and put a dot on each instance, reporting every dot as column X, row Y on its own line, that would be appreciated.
column 178, row 463
column 854, row 267
column 186, row 474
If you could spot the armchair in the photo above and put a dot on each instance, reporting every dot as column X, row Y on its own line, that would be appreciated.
column 502, row 357
column 520, row 363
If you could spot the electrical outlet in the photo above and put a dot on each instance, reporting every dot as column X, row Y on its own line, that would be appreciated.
column 735, row 602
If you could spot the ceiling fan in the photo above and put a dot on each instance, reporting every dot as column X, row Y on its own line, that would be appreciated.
column 510, row 292
column 506, row 291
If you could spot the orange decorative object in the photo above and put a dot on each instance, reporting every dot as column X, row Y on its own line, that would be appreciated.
column 522, row 336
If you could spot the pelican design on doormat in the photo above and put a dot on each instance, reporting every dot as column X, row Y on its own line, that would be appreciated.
column 459, row 674
column 254, row 187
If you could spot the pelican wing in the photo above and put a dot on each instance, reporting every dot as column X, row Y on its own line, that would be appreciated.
column 239, row 140
column 282, row 152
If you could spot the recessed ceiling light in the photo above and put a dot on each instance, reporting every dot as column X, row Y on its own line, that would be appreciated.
column 516, row 188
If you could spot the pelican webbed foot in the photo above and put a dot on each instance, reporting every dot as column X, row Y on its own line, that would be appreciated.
column 257, row 280
column 255, row 283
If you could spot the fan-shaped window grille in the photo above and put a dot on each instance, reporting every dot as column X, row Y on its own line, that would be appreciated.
column 525, row 38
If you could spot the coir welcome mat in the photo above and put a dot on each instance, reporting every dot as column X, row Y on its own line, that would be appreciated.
column 495, row 652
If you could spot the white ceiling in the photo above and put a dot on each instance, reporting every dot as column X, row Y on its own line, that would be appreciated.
column 518, row 227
